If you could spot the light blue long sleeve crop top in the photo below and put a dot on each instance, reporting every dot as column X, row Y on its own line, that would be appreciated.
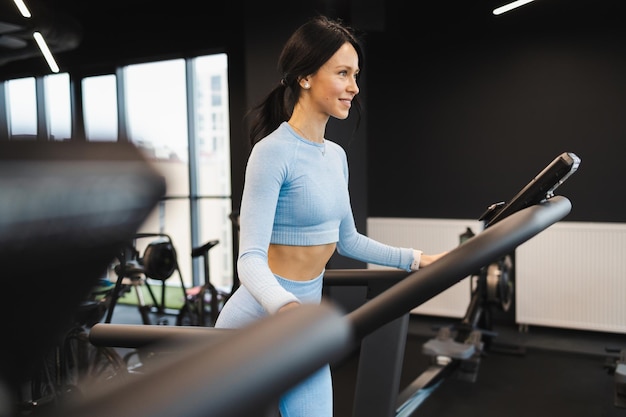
column 296, row 193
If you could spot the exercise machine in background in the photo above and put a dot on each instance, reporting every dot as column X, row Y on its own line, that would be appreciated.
column 457, row 350
column 158, row 262
column 200, row 304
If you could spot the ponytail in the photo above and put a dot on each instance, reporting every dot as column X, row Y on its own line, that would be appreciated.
column 270, row 113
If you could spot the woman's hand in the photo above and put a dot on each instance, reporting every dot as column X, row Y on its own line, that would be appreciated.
column 426, row 260
column 288, row 306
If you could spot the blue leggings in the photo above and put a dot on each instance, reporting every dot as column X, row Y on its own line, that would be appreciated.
column 313, row 397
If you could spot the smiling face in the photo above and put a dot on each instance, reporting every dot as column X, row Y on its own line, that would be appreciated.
column 331, row 89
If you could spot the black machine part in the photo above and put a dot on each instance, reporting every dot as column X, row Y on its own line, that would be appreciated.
column 540, row 188
column 159, row 259
column 499, row 283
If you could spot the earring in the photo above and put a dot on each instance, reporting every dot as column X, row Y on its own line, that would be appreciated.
column 306, row 85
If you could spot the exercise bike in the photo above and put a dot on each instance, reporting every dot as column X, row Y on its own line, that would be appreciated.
column 158, row 262
column 202, row 302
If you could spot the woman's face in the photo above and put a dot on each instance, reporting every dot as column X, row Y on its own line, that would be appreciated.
column 333, row 86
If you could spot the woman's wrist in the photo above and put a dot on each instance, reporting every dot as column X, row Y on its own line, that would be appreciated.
column 417, row 258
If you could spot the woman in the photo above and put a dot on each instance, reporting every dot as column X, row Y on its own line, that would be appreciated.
column 295, row 209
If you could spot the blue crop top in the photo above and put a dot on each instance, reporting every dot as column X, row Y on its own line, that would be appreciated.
column 296, row 193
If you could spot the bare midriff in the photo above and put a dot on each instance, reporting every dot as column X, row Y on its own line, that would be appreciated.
column 299, row 263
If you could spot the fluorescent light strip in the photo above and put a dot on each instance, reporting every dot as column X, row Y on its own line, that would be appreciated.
column 510, row 6
column 46, row 52
column 22, row 7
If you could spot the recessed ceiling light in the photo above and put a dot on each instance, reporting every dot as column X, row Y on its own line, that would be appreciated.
column 46, row 52
column 22, row 7
column 510, row 6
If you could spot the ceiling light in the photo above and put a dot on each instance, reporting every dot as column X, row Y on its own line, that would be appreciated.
column 46, row 52
column 22, row 7
column 510, row 6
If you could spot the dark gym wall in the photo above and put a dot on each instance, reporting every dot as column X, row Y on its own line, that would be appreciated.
column 462, row 108
column 465, row 107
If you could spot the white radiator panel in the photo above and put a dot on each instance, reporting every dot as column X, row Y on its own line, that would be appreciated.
column 430, row 236
column 571, row 275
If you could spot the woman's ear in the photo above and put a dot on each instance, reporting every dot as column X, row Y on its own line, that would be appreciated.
column 304, row 83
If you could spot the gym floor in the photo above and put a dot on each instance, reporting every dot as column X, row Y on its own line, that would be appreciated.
column 544, row 372
column 552, row 372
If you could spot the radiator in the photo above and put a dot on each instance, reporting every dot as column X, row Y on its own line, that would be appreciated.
column 572, row 275
column 430, row 236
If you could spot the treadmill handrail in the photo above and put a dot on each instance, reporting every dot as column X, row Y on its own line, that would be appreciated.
column 138, row 336
column 488, row 246
column 356, row 276
column 239, row 374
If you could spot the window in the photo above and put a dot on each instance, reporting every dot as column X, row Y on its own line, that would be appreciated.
column 176, row 112
column 212, row 160
column 22, row 108
column 195, row 165
column 100, row 108
column 156, row 112
column 58, row 107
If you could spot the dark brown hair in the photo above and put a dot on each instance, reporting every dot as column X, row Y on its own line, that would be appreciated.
column 308, row 48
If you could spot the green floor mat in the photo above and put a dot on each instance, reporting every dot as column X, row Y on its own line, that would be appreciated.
column 173, row 296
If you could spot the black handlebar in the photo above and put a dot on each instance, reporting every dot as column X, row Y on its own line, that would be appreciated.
column 482, row 249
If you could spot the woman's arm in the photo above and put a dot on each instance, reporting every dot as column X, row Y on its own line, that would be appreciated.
column 264, row 176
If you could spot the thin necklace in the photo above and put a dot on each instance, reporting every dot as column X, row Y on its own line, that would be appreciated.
column 323, row 150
